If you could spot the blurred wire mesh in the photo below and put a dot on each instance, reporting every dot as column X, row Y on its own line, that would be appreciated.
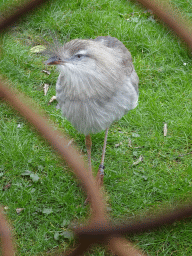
column 99, row 230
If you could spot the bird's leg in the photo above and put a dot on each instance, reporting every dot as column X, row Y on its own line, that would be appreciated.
column 100, row 173
column 88, row 144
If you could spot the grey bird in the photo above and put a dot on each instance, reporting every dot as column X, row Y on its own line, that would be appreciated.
column 96, row 86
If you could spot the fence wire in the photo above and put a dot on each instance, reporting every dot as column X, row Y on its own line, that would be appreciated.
column 99, row 230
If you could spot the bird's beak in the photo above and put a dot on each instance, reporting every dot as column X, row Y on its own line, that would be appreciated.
column 54, row 61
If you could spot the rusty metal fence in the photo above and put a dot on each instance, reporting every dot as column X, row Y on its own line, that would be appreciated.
column 99, row 231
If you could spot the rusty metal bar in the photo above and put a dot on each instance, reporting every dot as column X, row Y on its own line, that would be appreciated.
column 143, row 225
column 166, row 15
column 120, row 246
column 22, row 11
column 5, row 237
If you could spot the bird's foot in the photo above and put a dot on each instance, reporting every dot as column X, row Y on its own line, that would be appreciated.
column 100, row 175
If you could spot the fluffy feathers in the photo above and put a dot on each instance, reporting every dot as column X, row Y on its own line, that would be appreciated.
column 97, row 83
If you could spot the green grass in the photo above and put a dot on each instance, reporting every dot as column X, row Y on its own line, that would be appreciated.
column 53, row 203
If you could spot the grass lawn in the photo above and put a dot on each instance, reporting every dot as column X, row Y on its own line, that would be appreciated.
column 42, row 188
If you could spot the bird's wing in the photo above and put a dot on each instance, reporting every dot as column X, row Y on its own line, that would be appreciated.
column 120, row 49
column 111, row 42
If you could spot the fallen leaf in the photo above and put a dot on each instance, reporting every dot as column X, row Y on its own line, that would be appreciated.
column 70, row 142
column 26, row 173
column 46, row 72
column 67, row 234
column 52, row 99
column 139, row 160
column 46, row 88
column 129, row 143
column 19, row 126
column 145, row 177
column 47, row 211
column 135, row 135
column 34, row 177
column 37, row 49
column 33, row 190
column 56, row 236
column 40, row 167
column 133, row 19
column 18, row 210
column 65, row 223
column 118, row 144
column 135, row 153
column 151, row 18
column 165, row 129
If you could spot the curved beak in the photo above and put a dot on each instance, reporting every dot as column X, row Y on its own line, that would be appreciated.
column 55, row 60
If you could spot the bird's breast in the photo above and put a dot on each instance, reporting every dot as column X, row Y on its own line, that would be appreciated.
column 94, row 111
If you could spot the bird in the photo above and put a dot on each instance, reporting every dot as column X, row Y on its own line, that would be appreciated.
column 97, row 86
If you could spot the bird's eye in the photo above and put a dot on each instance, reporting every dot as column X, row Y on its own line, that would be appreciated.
column 79, row 56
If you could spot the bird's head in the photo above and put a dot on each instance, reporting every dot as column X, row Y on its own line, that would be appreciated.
column 75, row 55
column 89, row 66
column 85, row 56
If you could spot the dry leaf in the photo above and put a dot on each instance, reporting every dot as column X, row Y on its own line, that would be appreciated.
column 18, row 210
column 135, row 135
column 47, row 210
column 165, row 129
column 46, row 88
column 129, row 143
column 139, row 160
column 118, row 144
column 34, row 177
column 46, row 72
column 52, row 99
column 67, row 234
column 38, row 49
column 56, row 235
column 69, row 143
